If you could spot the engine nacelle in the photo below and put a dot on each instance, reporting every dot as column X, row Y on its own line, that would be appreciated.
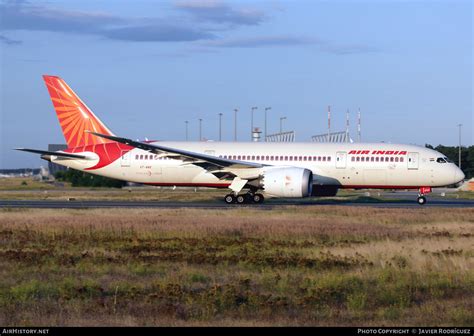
column 288, row 182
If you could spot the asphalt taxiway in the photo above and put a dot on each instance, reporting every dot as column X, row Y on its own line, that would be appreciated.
column 78, row 204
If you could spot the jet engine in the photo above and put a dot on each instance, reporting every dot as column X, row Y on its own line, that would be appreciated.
column 287, row 182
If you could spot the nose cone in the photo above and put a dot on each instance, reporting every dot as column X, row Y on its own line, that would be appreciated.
column 458, row 175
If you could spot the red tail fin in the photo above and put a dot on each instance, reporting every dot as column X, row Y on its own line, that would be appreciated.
column 74, row 116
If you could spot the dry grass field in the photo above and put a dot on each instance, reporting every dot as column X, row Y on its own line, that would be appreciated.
column 324, row 265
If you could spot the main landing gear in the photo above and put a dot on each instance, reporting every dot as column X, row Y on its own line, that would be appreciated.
column 421, row 195
column 244, row 198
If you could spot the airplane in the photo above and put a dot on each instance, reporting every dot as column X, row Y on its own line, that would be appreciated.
column 252, row 171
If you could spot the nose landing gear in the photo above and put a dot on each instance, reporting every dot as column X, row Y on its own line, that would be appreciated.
column 421, row 200
column 421, row 195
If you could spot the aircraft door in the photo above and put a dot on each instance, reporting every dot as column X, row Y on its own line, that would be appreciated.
column 413, row 160
column 125, row 159
column 341, row 158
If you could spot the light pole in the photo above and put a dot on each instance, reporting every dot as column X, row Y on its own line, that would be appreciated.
column 459, row 125
column 220, row 126
column 281, row 123
column 186, row 122
column 266, row 109
column 235, row 123
column 251, row 122
column 200, row 129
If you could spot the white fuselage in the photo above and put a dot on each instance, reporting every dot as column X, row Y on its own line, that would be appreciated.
column 356, row 165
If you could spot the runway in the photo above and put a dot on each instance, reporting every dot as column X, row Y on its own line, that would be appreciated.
column 77, row 204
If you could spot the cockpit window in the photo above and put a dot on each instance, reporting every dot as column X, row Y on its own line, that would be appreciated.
column 441, row 160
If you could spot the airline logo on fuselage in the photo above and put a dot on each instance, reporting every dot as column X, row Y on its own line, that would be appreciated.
column 378, row 152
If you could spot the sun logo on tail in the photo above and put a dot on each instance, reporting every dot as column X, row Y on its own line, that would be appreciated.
column 74, row 116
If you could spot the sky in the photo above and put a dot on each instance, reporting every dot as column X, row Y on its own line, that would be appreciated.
column 145, row 67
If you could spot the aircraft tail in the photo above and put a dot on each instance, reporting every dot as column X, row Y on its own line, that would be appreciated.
column 74, row 116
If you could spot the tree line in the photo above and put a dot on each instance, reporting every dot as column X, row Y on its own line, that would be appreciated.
column 78, row 178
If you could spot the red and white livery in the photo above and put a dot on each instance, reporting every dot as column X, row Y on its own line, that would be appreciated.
column 251, row 170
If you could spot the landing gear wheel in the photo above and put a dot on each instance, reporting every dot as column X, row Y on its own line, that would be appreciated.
column 421, row 200
column 240, row 199
column 258, row 198
column 229, row 199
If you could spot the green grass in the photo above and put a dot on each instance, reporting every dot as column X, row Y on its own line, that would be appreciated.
column 25, row 184
column 291, row 266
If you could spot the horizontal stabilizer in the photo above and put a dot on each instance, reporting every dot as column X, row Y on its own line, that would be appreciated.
column 60, row 154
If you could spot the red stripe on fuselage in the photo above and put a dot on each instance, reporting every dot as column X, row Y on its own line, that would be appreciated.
column 108, row 152
column 377, row 187
column 209, row 185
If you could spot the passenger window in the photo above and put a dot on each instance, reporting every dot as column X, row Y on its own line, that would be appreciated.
column 329, row 158
column 268, row 158
column 358, row 159
column 362, row 159
column 136, row 157
column 286, row 158
column 309, row 158
column 372, row 159
column 401, row 159
column 396, row 159
column 352, row 158
column 391, row 159
column 377, row 159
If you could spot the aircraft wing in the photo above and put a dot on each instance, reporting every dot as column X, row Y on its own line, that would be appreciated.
column 211, row 163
